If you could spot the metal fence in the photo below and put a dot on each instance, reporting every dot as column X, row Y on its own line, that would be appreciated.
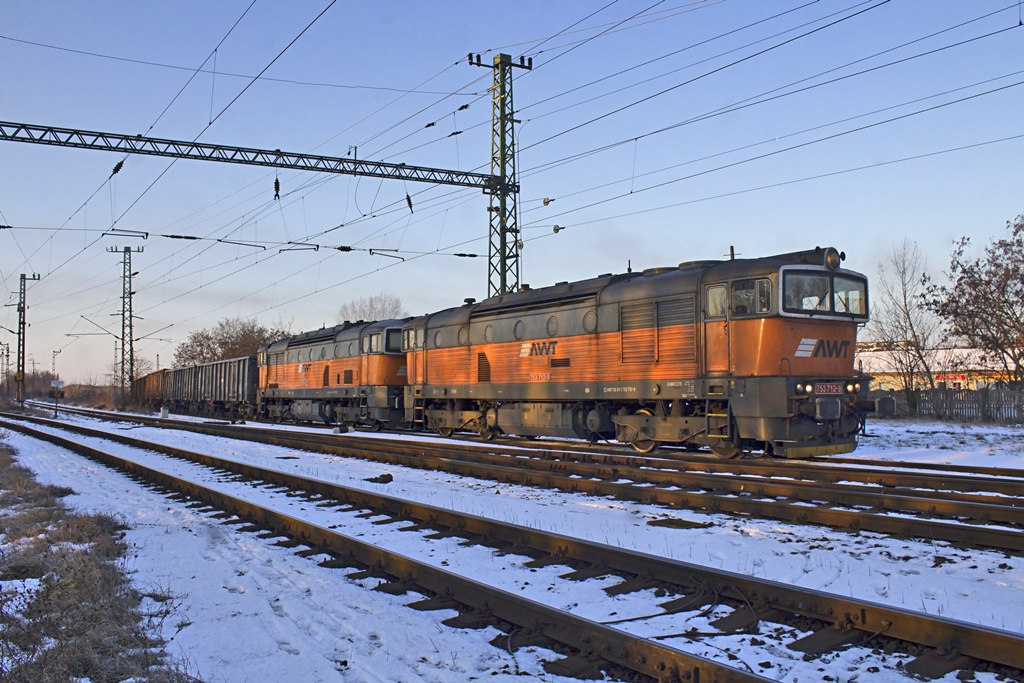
column 1005, row 406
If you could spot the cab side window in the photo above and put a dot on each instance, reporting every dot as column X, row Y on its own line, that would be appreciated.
column 370, row 343
column 717, row 302
column 751, row 297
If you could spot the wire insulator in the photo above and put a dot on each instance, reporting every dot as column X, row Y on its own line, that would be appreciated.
column 408, row 200
column 277, row 188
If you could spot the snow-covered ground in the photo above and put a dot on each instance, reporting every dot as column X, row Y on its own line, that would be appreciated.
column 249, row 610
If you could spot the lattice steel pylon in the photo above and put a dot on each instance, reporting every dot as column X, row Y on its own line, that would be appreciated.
column 503, row 245
column 127, row 371
column 19, row 378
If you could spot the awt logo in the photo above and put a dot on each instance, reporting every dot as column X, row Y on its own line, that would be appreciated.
column 537, row 349
column 822, row 348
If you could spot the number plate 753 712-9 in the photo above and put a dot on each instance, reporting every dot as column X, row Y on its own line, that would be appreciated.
column 828, row 388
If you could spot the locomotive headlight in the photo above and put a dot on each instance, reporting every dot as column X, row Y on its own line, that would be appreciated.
column 853, row 387
column 799, row 388
column 833, row 258
column 807, row 388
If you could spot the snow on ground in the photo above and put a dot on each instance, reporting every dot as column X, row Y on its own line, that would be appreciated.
column 251, row 611
column 948, row 443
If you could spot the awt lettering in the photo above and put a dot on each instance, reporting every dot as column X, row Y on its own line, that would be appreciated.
column 543, row 348
column 831, row 348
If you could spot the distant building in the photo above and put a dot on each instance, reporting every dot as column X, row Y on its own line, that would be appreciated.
column 952, row 368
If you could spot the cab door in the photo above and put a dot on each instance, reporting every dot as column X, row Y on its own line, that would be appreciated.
column 716, row 330
column 369, row 348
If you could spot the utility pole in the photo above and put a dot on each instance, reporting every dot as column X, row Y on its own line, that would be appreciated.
column 504, row 243
column 127, row 345
column 22, row 307
column 5, row 360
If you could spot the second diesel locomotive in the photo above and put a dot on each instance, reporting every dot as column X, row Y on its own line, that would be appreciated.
column 737, row 355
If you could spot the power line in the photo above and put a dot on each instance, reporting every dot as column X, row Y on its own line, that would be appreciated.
column 118, row 166
column 195, row 72
column 648, row 62
column 705, row 75
column 787, row 135
column 753, row 101
column 783, row 183
column 790, row 148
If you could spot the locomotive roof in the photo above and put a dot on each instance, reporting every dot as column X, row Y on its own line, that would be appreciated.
column 330, row 335
column 609, row 288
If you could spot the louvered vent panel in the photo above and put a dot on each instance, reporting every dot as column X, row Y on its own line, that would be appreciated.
column 677, row 312
column 637, row 324
column 676, row 331
column 483, row 369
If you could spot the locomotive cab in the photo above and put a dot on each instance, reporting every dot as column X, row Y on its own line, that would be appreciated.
column 784, row 339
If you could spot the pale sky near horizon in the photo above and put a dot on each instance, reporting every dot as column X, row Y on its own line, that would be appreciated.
column 660, row 132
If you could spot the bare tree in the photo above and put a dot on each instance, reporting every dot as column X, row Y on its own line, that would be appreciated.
column 381, row 306
column 903, row 329
column 143, row 366
column 231, row 338
column 984, row 303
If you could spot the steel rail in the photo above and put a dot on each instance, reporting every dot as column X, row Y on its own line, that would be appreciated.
column 591, row 638
column 1005, row 509
column 762, row 596
column 734, row 495
column 894, row 475
column 891, row 474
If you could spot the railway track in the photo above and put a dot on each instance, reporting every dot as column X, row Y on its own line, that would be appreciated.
column 977, row 508
column 689, row 589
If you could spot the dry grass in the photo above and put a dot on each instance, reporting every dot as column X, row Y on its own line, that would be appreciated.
column 69, row 611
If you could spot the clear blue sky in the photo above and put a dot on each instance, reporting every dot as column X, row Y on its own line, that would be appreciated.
column 615, row 131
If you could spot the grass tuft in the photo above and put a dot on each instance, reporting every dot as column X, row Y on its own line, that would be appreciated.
column 68, row 611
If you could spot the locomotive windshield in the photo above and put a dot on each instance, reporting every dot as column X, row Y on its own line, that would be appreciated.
column 818, row 293
column 394, row 341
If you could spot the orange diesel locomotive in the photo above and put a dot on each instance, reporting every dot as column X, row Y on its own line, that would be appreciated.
column 738, row 355
column 352, row 373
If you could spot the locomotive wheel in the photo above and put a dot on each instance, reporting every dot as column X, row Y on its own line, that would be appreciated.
column 725, row 451
column 640, row 443
column 643, row 445
column 445, row 432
